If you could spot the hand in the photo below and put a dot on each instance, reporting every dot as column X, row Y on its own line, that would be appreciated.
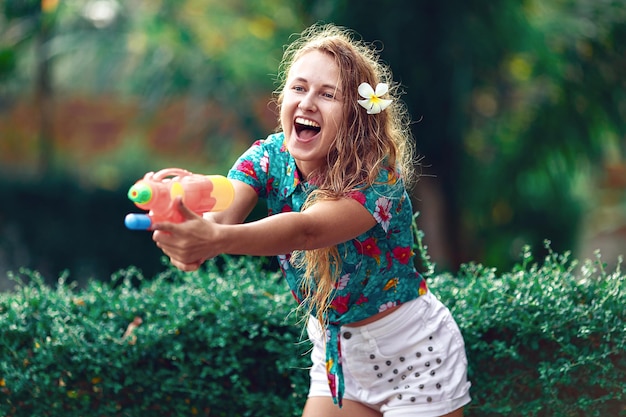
column 188, row 244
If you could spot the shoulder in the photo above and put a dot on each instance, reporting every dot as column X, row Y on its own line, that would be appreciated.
column 388, row 184
column 275, row 143
column 265, row 165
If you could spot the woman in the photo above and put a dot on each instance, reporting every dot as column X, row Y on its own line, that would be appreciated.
column 339, row 219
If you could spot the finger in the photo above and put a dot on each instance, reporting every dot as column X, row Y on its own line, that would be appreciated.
column 162, row 234
column 167, row 227
column 186, row 267
column 184, row 210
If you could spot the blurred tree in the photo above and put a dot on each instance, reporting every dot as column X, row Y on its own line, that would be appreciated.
column 158, row 54
column 23, row 21
column 130, row 86
column 158, row 50
column 517, row 102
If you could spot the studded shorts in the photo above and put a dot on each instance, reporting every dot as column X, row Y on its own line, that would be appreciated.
column 410, row 362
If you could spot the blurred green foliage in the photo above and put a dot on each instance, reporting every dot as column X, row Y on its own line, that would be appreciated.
column 67, row 228
column 153, row 54
column 544, row 339
column 209, row 343
column 519, row 105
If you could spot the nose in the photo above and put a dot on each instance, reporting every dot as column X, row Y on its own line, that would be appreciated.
column 307, row 103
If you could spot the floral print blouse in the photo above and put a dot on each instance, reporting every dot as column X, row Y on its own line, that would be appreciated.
column 377, row 268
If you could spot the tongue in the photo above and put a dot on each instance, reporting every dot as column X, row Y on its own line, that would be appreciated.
column 307, row 133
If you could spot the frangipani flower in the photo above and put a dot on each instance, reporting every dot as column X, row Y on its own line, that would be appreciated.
column 373, row 102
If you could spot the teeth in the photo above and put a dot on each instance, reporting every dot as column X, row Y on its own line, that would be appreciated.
column 306, row 122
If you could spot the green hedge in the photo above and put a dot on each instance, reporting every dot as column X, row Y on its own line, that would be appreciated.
column 545, row 339
column 215, row 342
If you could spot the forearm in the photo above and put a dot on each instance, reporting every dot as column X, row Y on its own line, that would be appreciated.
column 273, row 235
column 324, row 224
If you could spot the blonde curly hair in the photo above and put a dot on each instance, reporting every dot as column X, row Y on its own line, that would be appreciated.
column 362, row 147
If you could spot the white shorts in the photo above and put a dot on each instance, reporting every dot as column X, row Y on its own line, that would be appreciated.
column 411, row 362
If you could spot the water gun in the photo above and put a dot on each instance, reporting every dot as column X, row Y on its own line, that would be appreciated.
column 156, row 193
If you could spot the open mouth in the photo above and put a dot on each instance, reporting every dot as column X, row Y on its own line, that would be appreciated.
column 305, row 128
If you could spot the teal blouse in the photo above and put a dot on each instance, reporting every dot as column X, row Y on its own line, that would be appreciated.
column 377, row 267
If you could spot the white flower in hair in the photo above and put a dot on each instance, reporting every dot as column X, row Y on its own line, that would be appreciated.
column 373, row 102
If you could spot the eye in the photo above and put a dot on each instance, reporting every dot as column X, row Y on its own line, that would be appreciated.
column 298, row 88
column 328, row 95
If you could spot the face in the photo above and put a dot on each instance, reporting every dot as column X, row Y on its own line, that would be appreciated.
column 311, row 110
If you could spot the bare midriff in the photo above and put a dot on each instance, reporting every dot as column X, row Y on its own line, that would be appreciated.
column 373, row 318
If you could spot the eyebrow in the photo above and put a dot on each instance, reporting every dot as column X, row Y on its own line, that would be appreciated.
column 329, row 86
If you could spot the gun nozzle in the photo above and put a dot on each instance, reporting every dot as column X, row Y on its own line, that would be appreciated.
column 140, row 193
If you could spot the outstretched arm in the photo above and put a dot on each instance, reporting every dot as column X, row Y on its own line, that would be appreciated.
column 325, row 223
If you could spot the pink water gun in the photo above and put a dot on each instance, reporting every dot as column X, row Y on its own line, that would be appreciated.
column 156, row 193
